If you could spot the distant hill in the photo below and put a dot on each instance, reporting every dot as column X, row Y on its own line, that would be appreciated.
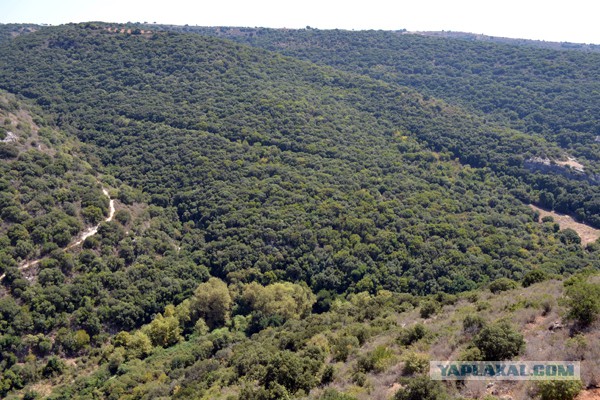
column 585, row 47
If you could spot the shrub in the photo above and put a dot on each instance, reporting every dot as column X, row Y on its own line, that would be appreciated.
column 332, row 394
column 502, row 285
column 415, row 363
column 412, row 334
column 559, row 390
column 569, row 236
column 583, row 300
column 53, row 367
column 343, row 346
column 472, row 324
column 499, row 342
column 429, row 308
column 421, row 388
column 471, row 354
column 534, row 276
column 377, row 361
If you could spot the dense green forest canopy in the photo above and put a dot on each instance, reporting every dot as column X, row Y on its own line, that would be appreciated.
column 552, row 93
column 252, row 149
column 270, row 212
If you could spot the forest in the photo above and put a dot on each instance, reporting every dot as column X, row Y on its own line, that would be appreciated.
column 299, row 215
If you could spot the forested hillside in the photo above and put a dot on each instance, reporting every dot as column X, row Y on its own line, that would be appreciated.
column 542, row 93
column 270, row 211
column 552, row 93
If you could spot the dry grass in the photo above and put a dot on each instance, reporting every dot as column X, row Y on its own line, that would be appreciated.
column 585, row 232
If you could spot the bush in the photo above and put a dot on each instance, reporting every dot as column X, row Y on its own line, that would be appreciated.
column 429, row 308
column 53, row 367
column 411, row 335
column 415, row 363
column 559, row 390
column 472, row 324
column 569, row 236
column 583, row 300
column 377, row 361
column 343, row 346
column 421, row 388
column 499, row 342
column 502, row 285
column 534, row 276
column 332, row 394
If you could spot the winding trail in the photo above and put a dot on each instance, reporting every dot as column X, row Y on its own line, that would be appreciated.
column 84, row 235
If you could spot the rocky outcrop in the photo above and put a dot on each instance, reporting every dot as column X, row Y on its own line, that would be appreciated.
column 545, row 165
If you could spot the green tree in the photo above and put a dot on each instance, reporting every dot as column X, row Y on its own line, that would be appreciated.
column 164, row 330
column 502, row 284
column 283, row 299
column 559, row 390
column 421, row 388
column 583, row 300
column 499, row 341
column 212, row 302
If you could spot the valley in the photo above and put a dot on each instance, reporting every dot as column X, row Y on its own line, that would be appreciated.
column 249, row 213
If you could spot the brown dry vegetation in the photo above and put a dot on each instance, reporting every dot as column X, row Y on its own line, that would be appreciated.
column 525, row 308
column 587, row 233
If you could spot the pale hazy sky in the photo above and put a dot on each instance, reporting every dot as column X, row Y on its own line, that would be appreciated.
column 572, row 21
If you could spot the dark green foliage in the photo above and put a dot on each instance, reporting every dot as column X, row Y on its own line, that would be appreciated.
column 429, row 308
column 515, row 86
column 584, row 302
column 412, row 334
column 53, row 367
column 559, row 390
column 246, row 182
column 499, row 341
column 421, row 388
column 569, row 236
column 534, row 276
column 502, row 284
column 290, row 371
column 8, row 151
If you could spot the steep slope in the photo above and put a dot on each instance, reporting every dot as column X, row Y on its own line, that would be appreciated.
column 542, row 93
column 48, row 192
column 293, row 185
column 279, row 165
column 539, row 91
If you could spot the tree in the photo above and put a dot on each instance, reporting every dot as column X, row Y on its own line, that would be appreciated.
column 502, row 285
column 429, row 308
column 164, row 330
column 499, row 341
column 282, row 299
column 421, row 388
column 559, row 390
column 583, row 300
column 569, row 236
column 534, row 276
column 211, row 302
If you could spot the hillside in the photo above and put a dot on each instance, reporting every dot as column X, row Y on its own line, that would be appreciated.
column 270, row 211
column 539, row 91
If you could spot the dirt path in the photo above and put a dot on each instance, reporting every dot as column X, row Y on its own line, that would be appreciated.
column 86, row 234
column 587, row 233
